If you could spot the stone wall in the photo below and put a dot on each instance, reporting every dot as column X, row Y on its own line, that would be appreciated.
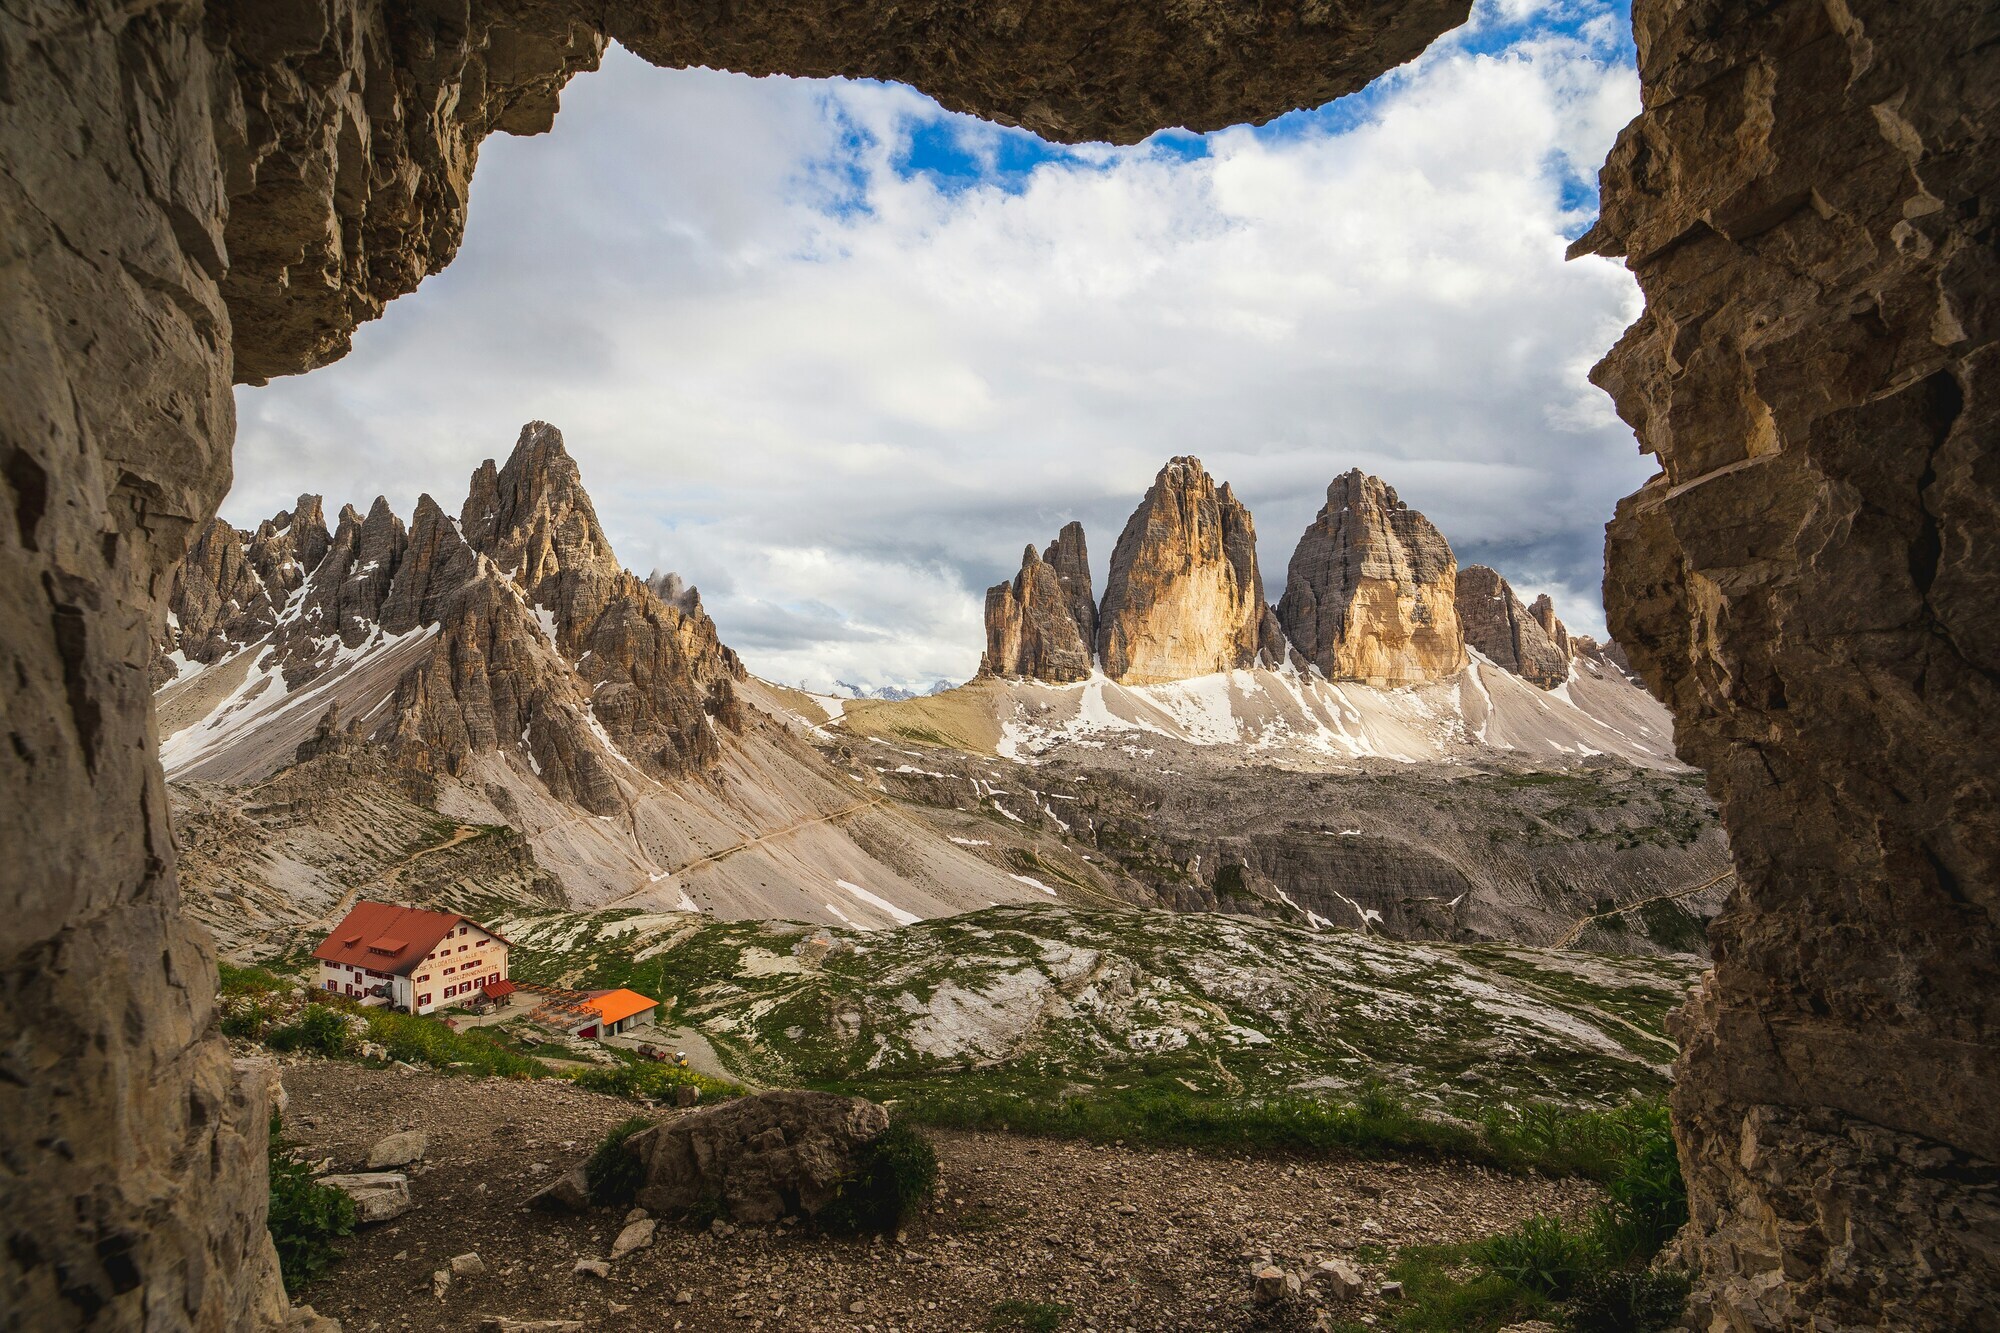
column 1808, row 200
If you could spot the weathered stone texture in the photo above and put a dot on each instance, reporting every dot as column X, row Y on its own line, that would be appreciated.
column 1371, row 589
column 759, row 1158
column 1808, row 200
column 1543, row 610
column 1069, row 557
column 191, row 195
column 131, row 1151
column 1513, row 636
column 1183, row 597
column 1031, row 624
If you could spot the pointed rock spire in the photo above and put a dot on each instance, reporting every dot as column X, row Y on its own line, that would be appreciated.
column 1031, row 626
column 1544, row 612
column 1183, row 596
column 1370, row 594
column 1070, row 559
column 1503, row 630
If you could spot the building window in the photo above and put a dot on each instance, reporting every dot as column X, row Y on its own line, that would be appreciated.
column 461, row 930
column 333, row 985
column 423, row 999
column 492, row 978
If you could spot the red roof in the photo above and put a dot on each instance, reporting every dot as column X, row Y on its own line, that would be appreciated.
column 499, row 990
column 386, row 938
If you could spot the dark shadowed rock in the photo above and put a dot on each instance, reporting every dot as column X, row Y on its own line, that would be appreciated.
column 773, row 1155
column 1510, row 634
column 1070, row 559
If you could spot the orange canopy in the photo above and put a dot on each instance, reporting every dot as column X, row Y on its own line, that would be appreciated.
column 615, row 1006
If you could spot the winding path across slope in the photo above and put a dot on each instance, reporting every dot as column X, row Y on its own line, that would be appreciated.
column 1575, row 933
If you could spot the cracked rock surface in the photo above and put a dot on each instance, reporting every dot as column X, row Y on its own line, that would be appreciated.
column 1808, row 201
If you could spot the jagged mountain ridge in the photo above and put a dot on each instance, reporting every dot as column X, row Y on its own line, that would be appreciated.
column 506, row 657
column 1372, row 596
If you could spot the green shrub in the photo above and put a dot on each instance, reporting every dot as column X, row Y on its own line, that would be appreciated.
column 305, row 1216
column 233, row 980
column 1436, row 1299
column 321, row 1029
column 897, row 1172
column 247, row 1020
column 613, row 1171
column 653, row 1080
column 1593, row 1278
column 1648, row 1196
column 418, row 1040
column 1542, row 1255
column 1627, row 1300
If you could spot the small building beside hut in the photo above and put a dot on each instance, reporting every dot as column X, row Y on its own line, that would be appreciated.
column 592, row 1014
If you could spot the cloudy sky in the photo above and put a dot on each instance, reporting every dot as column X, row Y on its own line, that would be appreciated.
column 836, row 355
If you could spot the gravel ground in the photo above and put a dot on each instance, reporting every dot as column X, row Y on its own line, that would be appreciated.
column 1127, row 1238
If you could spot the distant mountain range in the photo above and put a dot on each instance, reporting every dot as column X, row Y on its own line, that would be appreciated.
column 506, row 660
column 1381, row 647
column 488, row 710
column 1373, row 595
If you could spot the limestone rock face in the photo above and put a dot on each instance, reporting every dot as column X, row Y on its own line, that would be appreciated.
column 1183, row 596
column 1515, row 637
column 1808, row 201
column 1372, row 588
column 1070, row 559
column 1544, row 612
column 192, row 195
column 233, row 585
column 1031, row 624
column 772, row 1155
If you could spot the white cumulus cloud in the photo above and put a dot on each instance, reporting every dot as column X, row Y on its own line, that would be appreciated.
column 840, row 395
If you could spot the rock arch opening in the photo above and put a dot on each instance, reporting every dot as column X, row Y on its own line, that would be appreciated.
column 195, row 196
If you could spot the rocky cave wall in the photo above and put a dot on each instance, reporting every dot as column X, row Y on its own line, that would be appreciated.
column 198, row 194
column 1808, row 200
column 191, row 195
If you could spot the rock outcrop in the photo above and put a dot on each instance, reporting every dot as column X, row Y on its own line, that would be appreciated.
column 233, row 585
column 760, row 1158
column 1070, row 559
column 1041, row 625
column 1183, row 597
column 1809, row 200
column 1512, row 635
column 1371, row 591
column 514, row 624
column 1544, row 612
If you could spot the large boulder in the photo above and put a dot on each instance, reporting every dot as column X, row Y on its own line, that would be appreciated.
column 379, row 1196
column 760, row 1158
